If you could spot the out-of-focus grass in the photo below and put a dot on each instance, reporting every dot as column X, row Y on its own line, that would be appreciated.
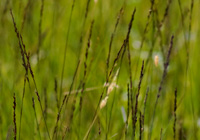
column 54, row 30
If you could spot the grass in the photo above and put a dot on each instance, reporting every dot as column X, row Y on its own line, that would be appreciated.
column 98, row 69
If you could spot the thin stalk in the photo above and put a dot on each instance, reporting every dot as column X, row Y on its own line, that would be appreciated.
column 82, row 31
column 85, row 73
column 166, row 64
column 38, row 129
column 114, row 98
column 65, row 51
column 26, row 56
column 14, row 118
column 175, row 107
column 136, row 102
column 112, row 68
column 39, row 29
column 65, row 101
column 144, row 35
column 21, row 111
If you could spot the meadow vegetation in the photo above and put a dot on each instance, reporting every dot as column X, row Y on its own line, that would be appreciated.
column 99, row 69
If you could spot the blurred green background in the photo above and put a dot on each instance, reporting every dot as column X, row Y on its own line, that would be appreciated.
column 54, row 28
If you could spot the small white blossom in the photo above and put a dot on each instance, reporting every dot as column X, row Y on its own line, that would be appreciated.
column 156, row 59
column 103, row 102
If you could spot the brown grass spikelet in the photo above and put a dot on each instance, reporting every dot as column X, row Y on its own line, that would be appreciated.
column 175, row 107
column 14, row 117
column 137, row 95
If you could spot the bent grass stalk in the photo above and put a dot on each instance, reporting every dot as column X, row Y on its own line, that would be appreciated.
column 144, row 35
column 166, row 64
column 166, row 12
column 187, row 46
column 26, row 10
column 34, row 109
column 56, row 92
column 40, row 29
column 111, row 86
column 24, row 53
column 128, row 108
column 108, row 57
column 136, row 103
column 183, row 26
column 140, row 128
column 36, row 89
column 155, row 35
column 189, row 38
column 161, row 24
column 65, row 101
column 21, row 111
column 82, row 31
column 65, row 51
column 112, row 68
column 115, row 77
column 131, row 84
column 111, row 41
column 175, row 108
column 96, row 111
column 68, row 128
column 74, row 105
column 14, row 117
column 38, row 129
column 85, row 72
column 144, row 109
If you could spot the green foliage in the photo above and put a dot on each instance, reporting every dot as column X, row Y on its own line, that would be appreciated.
column 48, row 27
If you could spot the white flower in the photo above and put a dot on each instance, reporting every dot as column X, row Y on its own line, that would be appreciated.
column 103, row 102
column 111, row 87
column 156, row 59
column 113, row 84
